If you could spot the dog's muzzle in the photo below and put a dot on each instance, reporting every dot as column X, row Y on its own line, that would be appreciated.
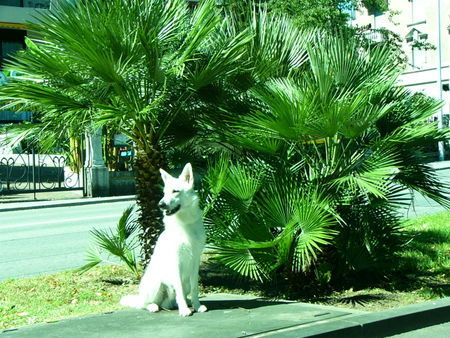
column 167, row 211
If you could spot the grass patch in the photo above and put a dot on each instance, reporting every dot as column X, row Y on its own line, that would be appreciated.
column 422, row 274
column 424, row 264
column 428, row 253
column 61, row 295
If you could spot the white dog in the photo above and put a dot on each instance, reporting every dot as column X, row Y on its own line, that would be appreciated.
column 172, row 273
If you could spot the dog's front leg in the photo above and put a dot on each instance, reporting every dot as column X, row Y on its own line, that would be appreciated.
column 194, row 291
column 180, row 297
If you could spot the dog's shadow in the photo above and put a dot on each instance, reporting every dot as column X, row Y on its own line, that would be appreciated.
column 247, row 304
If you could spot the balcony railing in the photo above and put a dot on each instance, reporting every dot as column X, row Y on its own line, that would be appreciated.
column 374, row 36
column 44, row 4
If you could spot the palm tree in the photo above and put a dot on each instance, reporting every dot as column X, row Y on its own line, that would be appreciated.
column 134, row 66
column 326, row 156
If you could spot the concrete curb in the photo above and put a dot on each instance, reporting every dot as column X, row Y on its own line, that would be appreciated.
column 440, row 165
column 63, row 203
column 377, row 324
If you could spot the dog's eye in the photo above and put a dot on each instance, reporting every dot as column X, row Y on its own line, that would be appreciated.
column 175, row 191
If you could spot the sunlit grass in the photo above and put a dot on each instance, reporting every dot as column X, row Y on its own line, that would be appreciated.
column 61, row 295
column 428, row 252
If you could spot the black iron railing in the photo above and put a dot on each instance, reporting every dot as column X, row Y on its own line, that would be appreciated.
column 21, row 173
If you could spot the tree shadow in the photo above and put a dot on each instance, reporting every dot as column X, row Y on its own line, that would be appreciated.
column 239, row 303
column 116, row 281
column 213, row 274
column 429, row 237
column 361, row 300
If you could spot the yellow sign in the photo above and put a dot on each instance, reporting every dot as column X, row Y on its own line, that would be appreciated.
column 13, row 25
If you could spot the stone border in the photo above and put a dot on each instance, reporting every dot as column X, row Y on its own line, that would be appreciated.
column 377, row 324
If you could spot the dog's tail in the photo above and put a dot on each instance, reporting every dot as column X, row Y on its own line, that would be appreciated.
column 135, row 301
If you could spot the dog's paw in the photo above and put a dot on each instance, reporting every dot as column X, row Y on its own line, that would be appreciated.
column 153, row 307
column 202, row 308
column 185, row 312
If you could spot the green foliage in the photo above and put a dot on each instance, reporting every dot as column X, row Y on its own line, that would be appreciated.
column 136, row 69
column 262, row 219
column 376, row 6
column 334, row 16
column 121, row 243
column 331, row 15
column 326, row 14
column 321, row 165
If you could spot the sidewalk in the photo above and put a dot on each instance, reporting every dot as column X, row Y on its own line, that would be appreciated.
column 244, row 316
column 54, row 199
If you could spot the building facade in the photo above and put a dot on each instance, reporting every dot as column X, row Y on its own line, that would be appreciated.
column 14, row 14
column 419, row 23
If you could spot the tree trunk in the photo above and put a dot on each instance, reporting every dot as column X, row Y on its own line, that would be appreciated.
column 149, row 192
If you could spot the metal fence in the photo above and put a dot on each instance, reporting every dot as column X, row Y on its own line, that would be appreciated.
column 21, row 173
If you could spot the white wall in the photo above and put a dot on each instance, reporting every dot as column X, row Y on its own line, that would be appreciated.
column 21, row 15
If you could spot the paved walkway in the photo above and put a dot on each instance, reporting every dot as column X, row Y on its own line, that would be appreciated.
column 54, row 199
column 41, row 196
column 244, row 316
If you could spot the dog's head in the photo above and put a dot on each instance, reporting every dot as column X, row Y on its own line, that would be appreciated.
column 178, row 192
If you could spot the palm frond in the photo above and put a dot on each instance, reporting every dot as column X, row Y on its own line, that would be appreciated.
column 120, row 242
column 93, row 258
column 248, row 263
column 127, row 225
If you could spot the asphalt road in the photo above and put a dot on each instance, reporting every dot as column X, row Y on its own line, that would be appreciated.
column 42, row 241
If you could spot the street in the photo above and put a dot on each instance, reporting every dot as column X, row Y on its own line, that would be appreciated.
column 42, row 241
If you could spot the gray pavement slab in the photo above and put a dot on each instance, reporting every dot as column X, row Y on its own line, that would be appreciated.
column 227, row 316
column 245, row 316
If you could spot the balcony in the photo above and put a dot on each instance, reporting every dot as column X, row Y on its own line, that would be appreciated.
column 42, row 4
column 374, row 35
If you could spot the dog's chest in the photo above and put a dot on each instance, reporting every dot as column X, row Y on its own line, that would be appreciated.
column 181, row 243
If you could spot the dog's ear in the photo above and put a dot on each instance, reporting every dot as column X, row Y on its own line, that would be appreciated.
column 164, row 175
column 187, row 175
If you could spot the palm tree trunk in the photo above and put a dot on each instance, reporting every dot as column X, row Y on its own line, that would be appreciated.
column 149, row 192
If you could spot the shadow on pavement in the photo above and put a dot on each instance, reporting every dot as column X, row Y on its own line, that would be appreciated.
column 239, row 303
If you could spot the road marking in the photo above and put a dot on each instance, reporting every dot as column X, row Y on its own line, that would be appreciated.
column 67, row 220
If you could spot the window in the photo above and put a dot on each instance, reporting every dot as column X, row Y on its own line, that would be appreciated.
column 377, row 10
column 418, row 10
column 418, row 57
column 26, row 3
column 379, row 20
column 11, row 41
column 15, row 3
column 45, row 4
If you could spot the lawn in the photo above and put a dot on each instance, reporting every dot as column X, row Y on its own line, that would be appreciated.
column 423, row 271
column 422, row 274
column 61, row 295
